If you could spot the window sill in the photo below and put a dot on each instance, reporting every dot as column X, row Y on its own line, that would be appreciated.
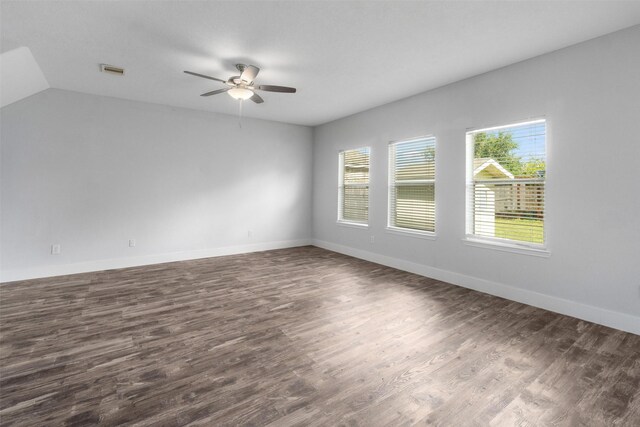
column 353, row 224
column 506, row 247
column 412, row 233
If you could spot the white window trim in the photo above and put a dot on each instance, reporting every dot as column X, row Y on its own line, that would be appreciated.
column 411, row 232
column 529, row 121
column 353, row 224
column 340, row 221
column 505, row 245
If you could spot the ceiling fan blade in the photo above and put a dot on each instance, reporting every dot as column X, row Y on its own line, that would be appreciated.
column 257, row 98
column 249, row 73
column 283, row 89
column 215, row 92
column 205, row 77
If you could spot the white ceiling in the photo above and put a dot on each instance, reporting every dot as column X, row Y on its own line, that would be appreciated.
column 344, row 57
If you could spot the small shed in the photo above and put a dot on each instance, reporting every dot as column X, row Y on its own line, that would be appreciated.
column 490, row 199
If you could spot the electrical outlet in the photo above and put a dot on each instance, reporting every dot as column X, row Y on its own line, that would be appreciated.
column 55, row 249
column 373, row 239
column 249, row 233
column 132, row 243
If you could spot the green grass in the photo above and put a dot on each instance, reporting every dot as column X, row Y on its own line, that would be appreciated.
column 524, row 230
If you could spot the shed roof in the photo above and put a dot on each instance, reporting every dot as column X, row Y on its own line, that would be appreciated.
column 491, row 167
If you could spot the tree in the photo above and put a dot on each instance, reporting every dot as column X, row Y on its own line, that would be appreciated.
column 498, row 147
column 430, row 154
column 534, row 168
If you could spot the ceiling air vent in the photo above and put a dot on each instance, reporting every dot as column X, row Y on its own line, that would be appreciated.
column 111, row 69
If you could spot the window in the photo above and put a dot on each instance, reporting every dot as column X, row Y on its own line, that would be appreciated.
column 506, row 170
column 412, row 185
column 353, row 194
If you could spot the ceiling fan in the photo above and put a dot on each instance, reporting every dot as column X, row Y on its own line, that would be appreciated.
column 242, row 87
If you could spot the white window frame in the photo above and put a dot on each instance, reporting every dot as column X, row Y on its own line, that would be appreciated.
column 497, row 243
column 341, row 188
column 392, row 184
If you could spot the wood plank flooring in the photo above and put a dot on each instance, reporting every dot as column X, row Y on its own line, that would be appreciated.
column 304, row 337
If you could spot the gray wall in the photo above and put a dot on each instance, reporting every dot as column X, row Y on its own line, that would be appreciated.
column 90, row 173
column 590, row 96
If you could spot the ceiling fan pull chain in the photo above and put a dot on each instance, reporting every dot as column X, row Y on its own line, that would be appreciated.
column 240, row 115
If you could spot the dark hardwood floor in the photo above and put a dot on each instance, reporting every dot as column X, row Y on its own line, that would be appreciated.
column 304, row 337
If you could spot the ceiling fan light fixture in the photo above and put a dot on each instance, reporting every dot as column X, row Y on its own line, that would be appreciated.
column 240, row 93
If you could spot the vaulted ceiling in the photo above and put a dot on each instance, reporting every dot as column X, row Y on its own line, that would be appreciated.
column 344, row 57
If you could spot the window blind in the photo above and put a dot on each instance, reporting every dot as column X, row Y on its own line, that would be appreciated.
column 412, row 184
column 506, row 173
column 353, row 204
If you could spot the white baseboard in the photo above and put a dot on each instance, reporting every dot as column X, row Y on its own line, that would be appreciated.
column 613, row 319
column 109, row 264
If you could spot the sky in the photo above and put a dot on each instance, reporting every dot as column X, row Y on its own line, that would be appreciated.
column 531, row 139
